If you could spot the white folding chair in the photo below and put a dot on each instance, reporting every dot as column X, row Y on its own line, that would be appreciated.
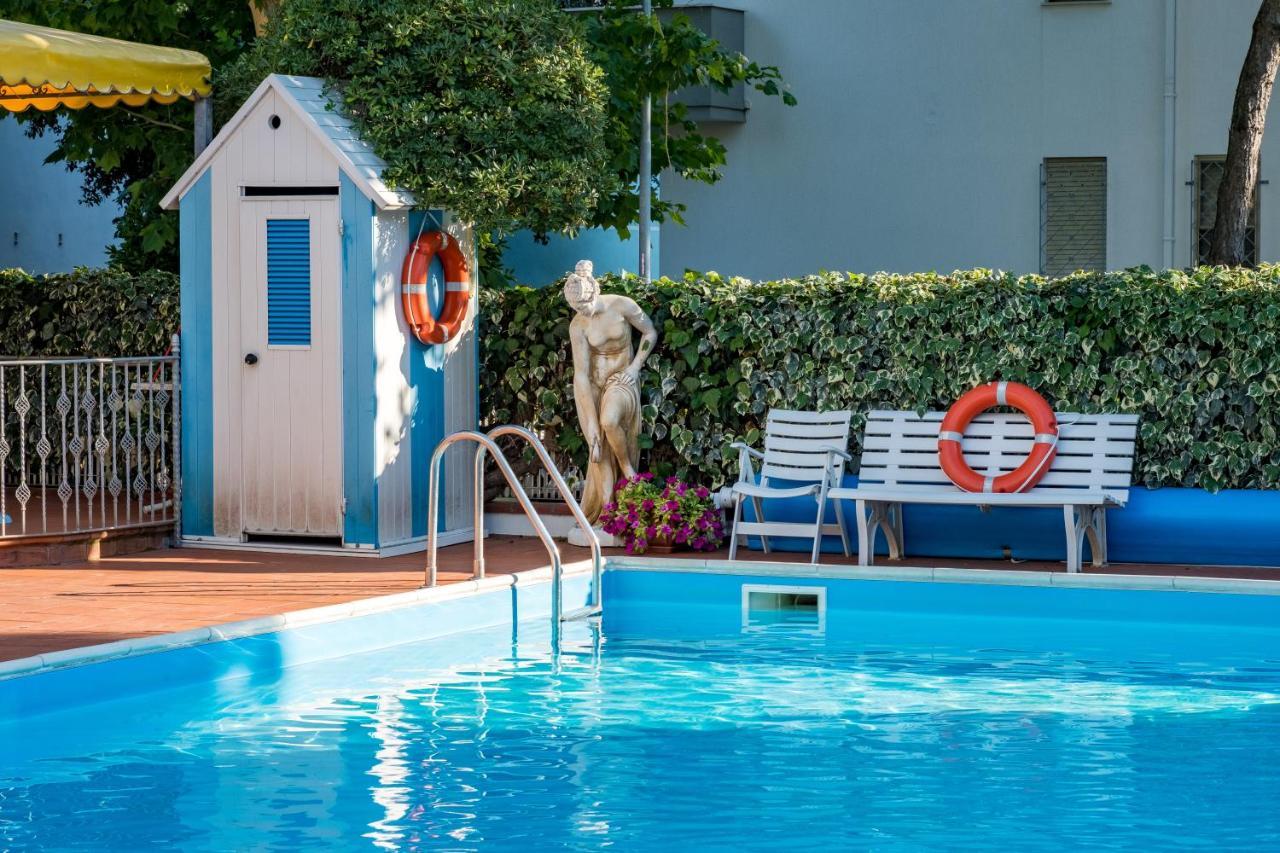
column 806, row 448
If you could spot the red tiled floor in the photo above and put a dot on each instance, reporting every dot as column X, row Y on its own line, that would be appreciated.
column 45, row 609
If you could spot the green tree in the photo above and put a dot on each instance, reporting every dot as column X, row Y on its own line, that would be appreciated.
column 490, row 109
column 644, row 56
column 134, row 155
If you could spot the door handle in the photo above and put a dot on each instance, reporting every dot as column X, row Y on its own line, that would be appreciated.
column 251, row 358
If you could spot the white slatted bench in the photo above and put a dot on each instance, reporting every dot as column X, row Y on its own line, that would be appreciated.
column 1091, row 471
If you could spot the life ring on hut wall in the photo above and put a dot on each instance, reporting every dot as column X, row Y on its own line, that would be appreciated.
column 413, row 288
column 974, row 403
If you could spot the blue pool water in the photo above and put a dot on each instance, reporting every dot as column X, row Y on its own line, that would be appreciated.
column 892, row 729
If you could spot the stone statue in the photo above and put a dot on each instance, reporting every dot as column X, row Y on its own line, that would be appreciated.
column 606, row 382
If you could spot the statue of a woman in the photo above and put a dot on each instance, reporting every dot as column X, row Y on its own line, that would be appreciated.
column 606, row 382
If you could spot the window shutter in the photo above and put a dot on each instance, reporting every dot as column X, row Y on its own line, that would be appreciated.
column 288, row 282
column 1074, row 216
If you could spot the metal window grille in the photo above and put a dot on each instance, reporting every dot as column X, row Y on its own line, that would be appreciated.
column 1073, row 215
column 1206, row 178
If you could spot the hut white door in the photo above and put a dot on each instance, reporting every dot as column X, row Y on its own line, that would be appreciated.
column 290, row 364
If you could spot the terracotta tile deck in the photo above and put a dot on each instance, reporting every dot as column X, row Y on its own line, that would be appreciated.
column 46, row 609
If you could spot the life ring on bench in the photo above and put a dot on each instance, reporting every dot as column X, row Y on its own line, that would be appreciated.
column 974, row 403
column 413, row 288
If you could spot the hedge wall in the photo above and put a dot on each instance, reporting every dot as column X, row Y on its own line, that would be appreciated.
column 1196, row 354
column 88, row 312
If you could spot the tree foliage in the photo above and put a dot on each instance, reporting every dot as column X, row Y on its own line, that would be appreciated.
column 644, row 56
column 490, row 108
column 497, row 109
column 89, row 312
column 1132, row 341
column 133, row 155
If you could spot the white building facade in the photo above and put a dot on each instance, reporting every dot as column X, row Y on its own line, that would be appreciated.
column 1023, row 135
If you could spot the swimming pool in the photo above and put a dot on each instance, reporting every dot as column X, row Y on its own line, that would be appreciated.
column 714, row 710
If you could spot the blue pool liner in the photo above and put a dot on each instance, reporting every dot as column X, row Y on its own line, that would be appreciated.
column 262, row 658
column 1234, row 527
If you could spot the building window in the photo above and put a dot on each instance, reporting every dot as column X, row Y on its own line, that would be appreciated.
column 1073, row 215
column 1206, row 177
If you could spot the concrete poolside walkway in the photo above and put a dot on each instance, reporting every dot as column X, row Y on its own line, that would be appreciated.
column 46, row 609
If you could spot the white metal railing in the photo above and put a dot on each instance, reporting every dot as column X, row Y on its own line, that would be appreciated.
column 88, row 444
column 487, row 443
column 540, row 485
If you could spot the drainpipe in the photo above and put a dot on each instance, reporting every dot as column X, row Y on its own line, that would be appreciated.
column 1170, row 125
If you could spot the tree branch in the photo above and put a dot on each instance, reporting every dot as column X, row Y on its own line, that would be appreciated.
column 158, row 123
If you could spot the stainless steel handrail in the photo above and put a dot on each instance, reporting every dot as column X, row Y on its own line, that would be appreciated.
column 553, row 471
column 433, row 515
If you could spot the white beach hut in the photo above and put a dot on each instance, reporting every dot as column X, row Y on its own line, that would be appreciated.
column 309, row 408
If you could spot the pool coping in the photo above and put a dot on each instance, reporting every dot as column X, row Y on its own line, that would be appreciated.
column 929, row 574
column 66, row 658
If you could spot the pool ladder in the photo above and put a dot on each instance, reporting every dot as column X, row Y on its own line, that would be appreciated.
column 486, row 443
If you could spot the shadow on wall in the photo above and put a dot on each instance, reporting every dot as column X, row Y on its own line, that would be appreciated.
column 59, row 233
column 537, row 265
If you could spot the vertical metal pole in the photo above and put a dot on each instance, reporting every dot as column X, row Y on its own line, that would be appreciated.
column 433, row 514
column 477, row 518
column 204, row 124
column 646, row 168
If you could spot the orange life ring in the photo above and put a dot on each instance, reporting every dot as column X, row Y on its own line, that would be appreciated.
column 413, row 288
column 974, row 403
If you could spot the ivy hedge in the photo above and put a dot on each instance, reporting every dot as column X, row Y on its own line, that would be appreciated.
column 88, row 312
column 1195, row 353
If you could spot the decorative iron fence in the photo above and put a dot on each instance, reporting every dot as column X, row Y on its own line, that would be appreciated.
column 88, row 444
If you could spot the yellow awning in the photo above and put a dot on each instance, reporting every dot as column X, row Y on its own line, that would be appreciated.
column 43, row 68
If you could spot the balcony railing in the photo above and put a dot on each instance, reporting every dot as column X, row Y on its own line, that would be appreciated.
column 88, row 444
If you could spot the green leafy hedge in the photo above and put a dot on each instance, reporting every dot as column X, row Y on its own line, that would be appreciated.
column 88, row 312
column 1196, row 354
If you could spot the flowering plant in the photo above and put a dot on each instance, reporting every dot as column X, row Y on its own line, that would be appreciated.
column 646, row 513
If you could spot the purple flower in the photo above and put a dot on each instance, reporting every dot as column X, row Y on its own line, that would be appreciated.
column 671, row 506
column 646, row 476
column 702, row 492
column 647, row 504
column 676, row 518
column 672, row 481
column 650, row 532
column 682, row 536
column 610, row 506
column 700, row 544
column 681, row 489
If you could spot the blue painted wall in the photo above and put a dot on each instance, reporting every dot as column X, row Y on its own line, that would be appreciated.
column 426, row 375
column 537, row 265
column 29, row 232
column 359, row 484
column 194, row 235
column 1230, row 528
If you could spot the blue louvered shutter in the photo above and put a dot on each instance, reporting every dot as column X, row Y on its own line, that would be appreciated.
column 288, row 282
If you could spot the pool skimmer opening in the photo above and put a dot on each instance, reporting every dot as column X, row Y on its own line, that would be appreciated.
column 769, row 605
